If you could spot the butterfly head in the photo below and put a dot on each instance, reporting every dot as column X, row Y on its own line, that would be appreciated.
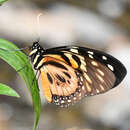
column 35, row 45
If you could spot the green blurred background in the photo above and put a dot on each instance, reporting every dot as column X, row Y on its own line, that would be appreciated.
column 100, row 24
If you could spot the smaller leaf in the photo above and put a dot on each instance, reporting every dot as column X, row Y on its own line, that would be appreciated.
column 2, row 1
column 5, row 90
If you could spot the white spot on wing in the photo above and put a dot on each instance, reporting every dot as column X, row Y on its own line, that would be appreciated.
column 94, row 63
column 100, row 78
column 57, row 100
column 79, row 94
column 90, row 52
column 83, row 67
column 68, row 55
column 101, row 87
column 90, row 56
column 110, row 67
column 74, row 98
column 104, row 57
column 83, row 88
column 87, row 78
column 97, row 90
column 81, row 57
column 100, row 72
column 74, row 50
column 69, row 100
column 81, row 78
column 83, row 62
column 62, row 101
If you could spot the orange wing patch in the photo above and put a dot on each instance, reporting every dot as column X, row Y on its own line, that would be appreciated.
column 56, row 57
column 46, row 86
column 64, row 80
column 72, row 61
column 58, row 80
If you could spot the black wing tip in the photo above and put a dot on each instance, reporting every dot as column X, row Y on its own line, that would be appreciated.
column 120, row 76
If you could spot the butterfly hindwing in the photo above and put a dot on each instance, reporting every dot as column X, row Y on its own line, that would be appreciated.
column 63, row 81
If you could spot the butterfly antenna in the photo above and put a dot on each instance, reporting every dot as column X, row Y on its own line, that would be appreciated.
column 38, row 24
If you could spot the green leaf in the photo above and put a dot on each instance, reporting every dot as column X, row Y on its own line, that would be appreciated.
column 2, row 1
column 19, row 61
column 5, row 90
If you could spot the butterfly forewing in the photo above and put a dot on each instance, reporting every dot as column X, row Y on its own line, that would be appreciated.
column 107, row 60
column 98, row 78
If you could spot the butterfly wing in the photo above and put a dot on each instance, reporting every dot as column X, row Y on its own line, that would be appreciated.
column 107, row 60
column 75, row 72
column 60, row 82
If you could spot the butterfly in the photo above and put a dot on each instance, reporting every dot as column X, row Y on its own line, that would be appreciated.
column 69, row 73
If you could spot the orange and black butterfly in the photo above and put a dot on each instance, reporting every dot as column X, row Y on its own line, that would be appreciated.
column 70, row 73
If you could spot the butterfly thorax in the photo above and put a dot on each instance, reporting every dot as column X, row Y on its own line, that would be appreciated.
column 37, row 55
